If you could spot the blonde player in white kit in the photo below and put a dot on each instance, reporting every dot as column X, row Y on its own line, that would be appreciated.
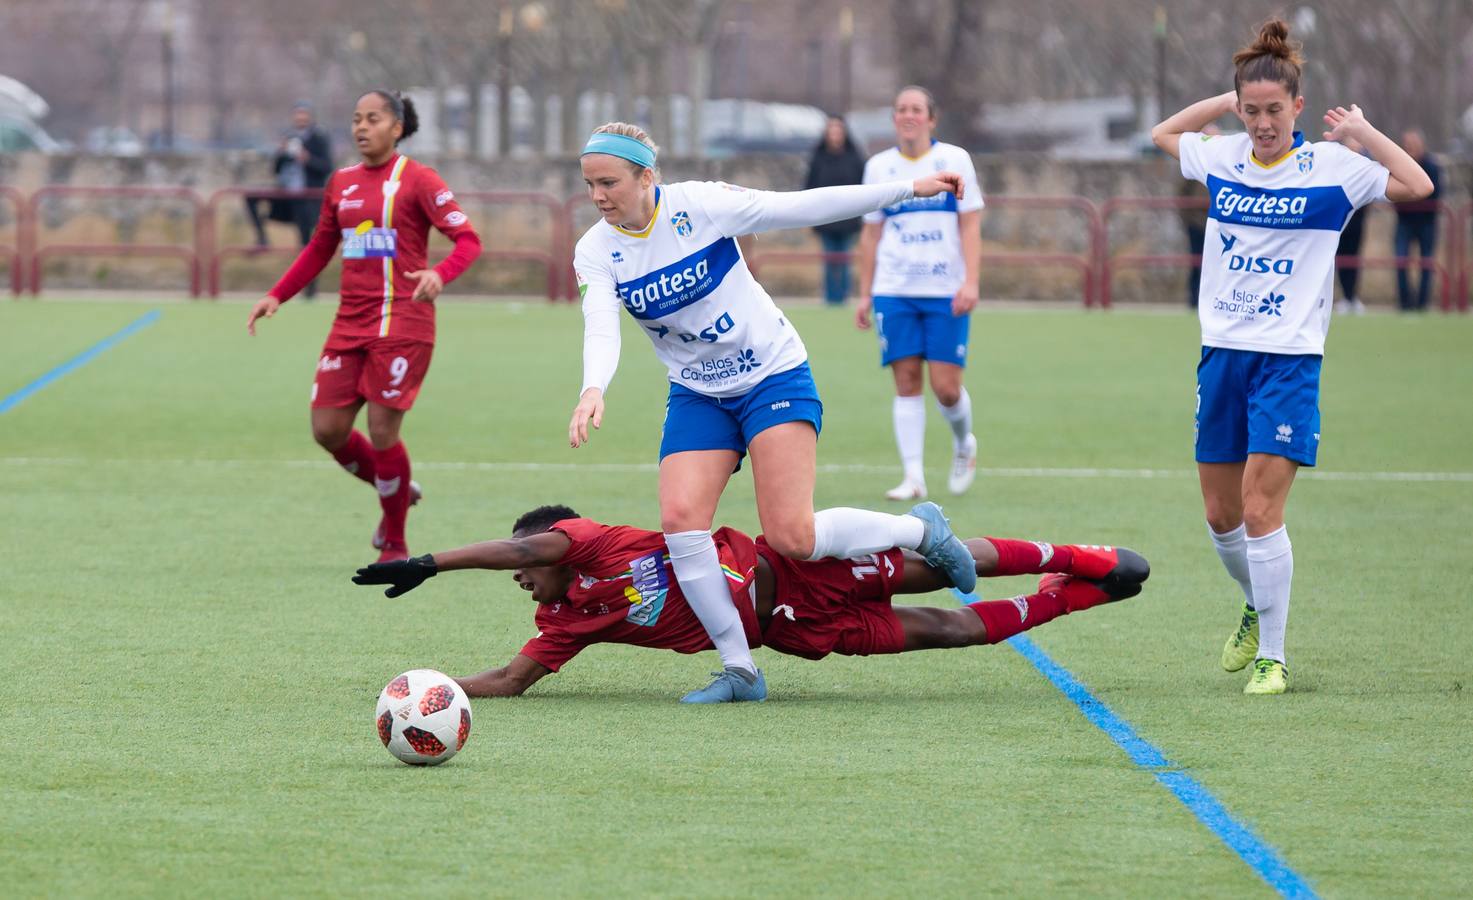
column 918, row 266
column 1278, row 204
column 739, row 377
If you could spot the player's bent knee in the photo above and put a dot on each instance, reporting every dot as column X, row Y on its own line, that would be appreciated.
column 792, row 542
column 330, row 438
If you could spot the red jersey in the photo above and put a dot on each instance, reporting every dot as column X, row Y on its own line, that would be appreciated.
column 381, row 215
column 626, row 593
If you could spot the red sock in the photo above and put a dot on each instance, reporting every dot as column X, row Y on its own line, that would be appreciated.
column 391, row 477
column 356, row 456
column 1029, row 557
column 1005, row 618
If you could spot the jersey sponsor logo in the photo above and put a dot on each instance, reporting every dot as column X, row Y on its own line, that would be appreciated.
column 681, row 221
column 747, row 361
column 1248, row 306
column 1260, row 264
column 1285, row 434
column 1322, row 208
column 648, row 587
column 710, row 334
column 455, row 218
column 1228, row 240
column 933, row 235
column 944, row 202
column 349, row 189
column 349, row 204
column 443, row 198
column 678, row 285
column 368, row 242
column 330, row 364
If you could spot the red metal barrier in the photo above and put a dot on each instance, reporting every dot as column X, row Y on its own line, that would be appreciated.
column 1453, row 276
column 548, row 258
column 15, row 256
column 190, row 254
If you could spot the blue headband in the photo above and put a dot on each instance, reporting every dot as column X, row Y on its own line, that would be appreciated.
column 622, row 146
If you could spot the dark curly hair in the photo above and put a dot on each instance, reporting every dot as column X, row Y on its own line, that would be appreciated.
column 402, row 108
column 542, row 518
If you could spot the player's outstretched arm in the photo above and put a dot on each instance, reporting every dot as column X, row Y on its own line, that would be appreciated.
column 1408, row 181
column 511, row 680
column 405, row 575
column 1167, row 135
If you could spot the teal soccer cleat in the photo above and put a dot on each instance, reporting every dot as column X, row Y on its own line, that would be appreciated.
column 945, row 550
column 730, row 687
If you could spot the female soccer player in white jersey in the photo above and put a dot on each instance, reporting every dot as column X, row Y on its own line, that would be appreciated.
column 918, row 270
column 1278, row 203
column 739, row 376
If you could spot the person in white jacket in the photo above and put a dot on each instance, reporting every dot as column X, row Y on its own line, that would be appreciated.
column 739, row 377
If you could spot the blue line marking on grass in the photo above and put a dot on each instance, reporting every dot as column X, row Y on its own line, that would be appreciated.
column 80, row 360
column 1263, row 859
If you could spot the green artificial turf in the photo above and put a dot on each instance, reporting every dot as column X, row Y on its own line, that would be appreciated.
column 190, row 676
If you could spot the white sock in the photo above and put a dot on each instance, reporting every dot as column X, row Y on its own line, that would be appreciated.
column 1232, row 549
column 698, row 570
column 910, row 436
column 845, row 532
column 959, row 417
column 1271, row 566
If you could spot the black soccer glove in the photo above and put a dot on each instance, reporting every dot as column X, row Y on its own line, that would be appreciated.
column 403, row 575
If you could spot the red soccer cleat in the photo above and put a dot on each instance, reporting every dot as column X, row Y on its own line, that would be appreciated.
column 1083, row 593
column 1113, row 567
column 378, row 533
column 393, row 553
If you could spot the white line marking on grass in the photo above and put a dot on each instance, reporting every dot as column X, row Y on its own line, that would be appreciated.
column 830, row 468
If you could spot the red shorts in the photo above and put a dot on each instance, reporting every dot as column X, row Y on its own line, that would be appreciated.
column 833, row 605
column 386, row 371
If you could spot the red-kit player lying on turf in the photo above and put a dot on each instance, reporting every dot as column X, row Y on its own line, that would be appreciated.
column 381, row 211
column 612, row 584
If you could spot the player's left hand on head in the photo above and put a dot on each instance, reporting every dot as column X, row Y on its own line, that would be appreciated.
column 402, row 575
column 1344, row 122
column 940, row 183
column 430, row 284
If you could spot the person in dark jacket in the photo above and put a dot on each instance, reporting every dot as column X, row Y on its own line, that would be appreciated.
column 1417, row 221
column 836, row 160
column 303, row 161
column 1351, row 237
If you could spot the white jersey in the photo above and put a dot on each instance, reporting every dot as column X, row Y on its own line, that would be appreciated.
column 684, row 280
column 1272, row 232
column 920, row 252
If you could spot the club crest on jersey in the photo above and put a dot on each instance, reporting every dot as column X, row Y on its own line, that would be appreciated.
column 681, row 221
column 1305, row 159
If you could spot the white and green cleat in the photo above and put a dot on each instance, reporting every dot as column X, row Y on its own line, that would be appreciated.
column 1242, row 646
column 1269, row 677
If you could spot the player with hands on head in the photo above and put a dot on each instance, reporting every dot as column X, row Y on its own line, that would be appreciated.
column 919, row 265
column 1278, row 204
column 381, row 211
column 596, row 583
column 739, row 377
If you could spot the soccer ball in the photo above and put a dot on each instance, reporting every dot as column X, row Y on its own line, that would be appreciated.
column 423, row 717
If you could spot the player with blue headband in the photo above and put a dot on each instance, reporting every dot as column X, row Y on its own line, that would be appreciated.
column 739, row 377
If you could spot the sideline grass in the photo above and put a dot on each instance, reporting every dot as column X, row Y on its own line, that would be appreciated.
column 192, row 676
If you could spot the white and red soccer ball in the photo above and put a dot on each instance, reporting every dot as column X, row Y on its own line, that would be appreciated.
column 423, row 717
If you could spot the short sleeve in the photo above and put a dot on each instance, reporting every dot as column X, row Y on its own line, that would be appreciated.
column 871, row 176
column 1195, row 150
column 1363, row 179
column 597, row 547
column 438, row 204
column 972, row 199
column 553, row 646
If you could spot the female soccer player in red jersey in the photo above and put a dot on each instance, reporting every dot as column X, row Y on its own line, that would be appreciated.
column 378, row 351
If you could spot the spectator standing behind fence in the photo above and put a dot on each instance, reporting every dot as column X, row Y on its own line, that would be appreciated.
column 919, row 263
column 1417, row 221
column 303, row 161
column 836, row 161
column 1350, row 242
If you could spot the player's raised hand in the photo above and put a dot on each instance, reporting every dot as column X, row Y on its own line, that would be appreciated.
column 862, row 307
column 590, row 409
column 265, row 307
column 1344, row 123
column 402, row 575
column 939, row 183
column 430, row 284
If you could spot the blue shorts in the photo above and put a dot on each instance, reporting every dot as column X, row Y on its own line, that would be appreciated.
column 697, row 422
column 921, row 326
column 1251, row 402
